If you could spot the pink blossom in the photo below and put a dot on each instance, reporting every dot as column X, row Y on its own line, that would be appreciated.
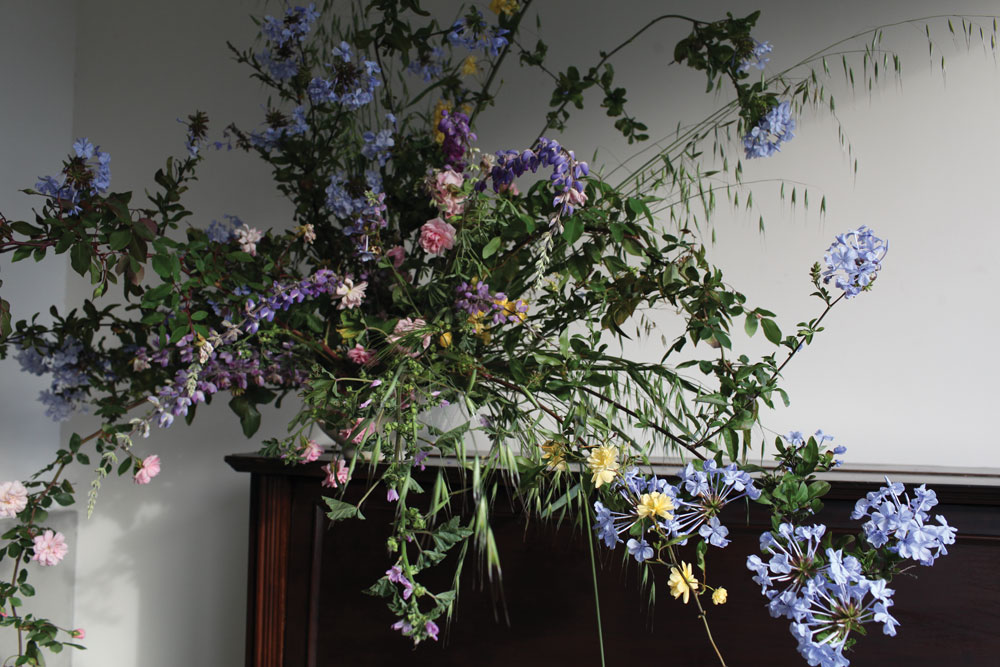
column 432, row 630
column 13, row 499
column 148, row 469
column 336, row 477
column 50, row 548
column 397, row 254
column 248, row 237
column 407, row 325
column 436, row 236
column 360, row 355
column 79, row 633
column 446, row 188
column 391, row 495
column 351, row 295
column 361, row 434
column 312, row 451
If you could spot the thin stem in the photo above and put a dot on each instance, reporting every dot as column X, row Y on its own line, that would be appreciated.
column 708, row 630
column 597, row 599
column 484, row 94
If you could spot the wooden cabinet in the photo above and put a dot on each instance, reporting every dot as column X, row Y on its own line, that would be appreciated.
column 306, row 607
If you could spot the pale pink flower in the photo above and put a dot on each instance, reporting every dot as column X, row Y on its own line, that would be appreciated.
column 445, row 189
column 436, row 236
column 307, row 232
column 574, row 197
column 312, row 451
column 396, row 254
column 79, row 633
column 405, row 326
column 351, row 295
column 13, row 499
column 335, row 478
column 345, row 433
column 360, row 355
column 148, row 469
column 248, row 237
column 50, row 548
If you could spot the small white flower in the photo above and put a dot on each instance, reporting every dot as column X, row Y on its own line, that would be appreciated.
column 351, row 295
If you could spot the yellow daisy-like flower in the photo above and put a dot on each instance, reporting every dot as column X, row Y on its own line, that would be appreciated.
column 719, row 596
column 682, row 581
column 603, row 462
column 655, row 504
column 439, row 109
column 507, row 7
column 469, row 66
column 556, row 453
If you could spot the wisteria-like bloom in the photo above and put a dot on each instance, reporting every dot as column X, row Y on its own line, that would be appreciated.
column 247, row 237
column 854, row 260
column 335, row 475
column 436, row 236
column 148, row 469
column 903, row 522
column 682, row 581
column 49, row 548
column 13, row 499
column 351, row 295
column 776, row 127
column 566, row 178
column 457, row 138
column 757, row 58
column 603, row 463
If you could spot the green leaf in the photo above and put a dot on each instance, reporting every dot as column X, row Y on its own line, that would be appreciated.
column 750, row 326
column 771, row 330
column 79, row 258
column 572, row 229
column 490, row 249
column 248, row 414
column 163, row 266
column 339, row 510
column 120, row 239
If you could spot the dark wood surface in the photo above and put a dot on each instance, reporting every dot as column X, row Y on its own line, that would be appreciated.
column 306, row 608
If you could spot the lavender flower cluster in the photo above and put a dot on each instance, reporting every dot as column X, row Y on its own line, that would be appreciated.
column 369, row 221
column 69, row 381
column 88, row 173
column 282, row 35
column 757, row 59
column 352, row 86
column 473, row 33
column 775, row 128
column 428, row 65
column 458, row 137
column 904, row 526
column 378, row 145
column 477, row 300
column 854, row 260
column 566, row 172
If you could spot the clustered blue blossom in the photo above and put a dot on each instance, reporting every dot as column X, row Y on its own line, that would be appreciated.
column 797, row 440
column 282, row 35
column 69, row 381
column 697, row 500
column 757, row 58
column 269, row 138
column 854, row 260
column 351, row 85
column 566, row 172
column 369, row 221
column 346, row 199
column 429, row 65
column 88, row 173
column 473, row 33
column 775, row 128
column 904, row 526
column 223, row 232
column 378, row 145
column 458, row 137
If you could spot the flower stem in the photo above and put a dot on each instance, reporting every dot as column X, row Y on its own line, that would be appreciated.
column 597, row 599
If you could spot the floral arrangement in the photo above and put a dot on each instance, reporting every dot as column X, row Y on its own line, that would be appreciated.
column 422, row 271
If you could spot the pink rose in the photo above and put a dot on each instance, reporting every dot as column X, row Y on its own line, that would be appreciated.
column 396, row 255
column 79, row 633
column 446, row 191
column 312, row 451
column 436, row 236
column 148, row 469
column 13, row 499
column 407, row 325
column 50, row 548
column 335, row 478
column 360, row 355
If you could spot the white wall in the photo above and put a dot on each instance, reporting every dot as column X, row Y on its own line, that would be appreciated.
column 161, row 569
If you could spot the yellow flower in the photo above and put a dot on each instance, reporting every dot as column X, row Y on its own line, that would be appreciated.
column 556, row 454
column 507, row 7
column 682, row 581
column 439, row 108
column 719, row 596
column 509, row 309
column 444, row 340
column 655, row 504
column 469, row 66
column 603, row 462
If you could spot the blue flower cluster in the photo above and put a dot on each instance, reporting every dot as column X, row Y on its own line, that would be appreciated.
column 370, row 220
column 473, row 33
column 770, row 132
column 825, row 596
column 69, row 382
column 282, row 35
column 346, row 199
column 223, row 232
column 696, row 500
column 429, row 65
column 757, row 57
column 378, row 145
column 854, row 260
column 88, row 173
column 269, row 138
column 566, row 172
column 904, row 526
column 797, row 440
column 351, row 85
